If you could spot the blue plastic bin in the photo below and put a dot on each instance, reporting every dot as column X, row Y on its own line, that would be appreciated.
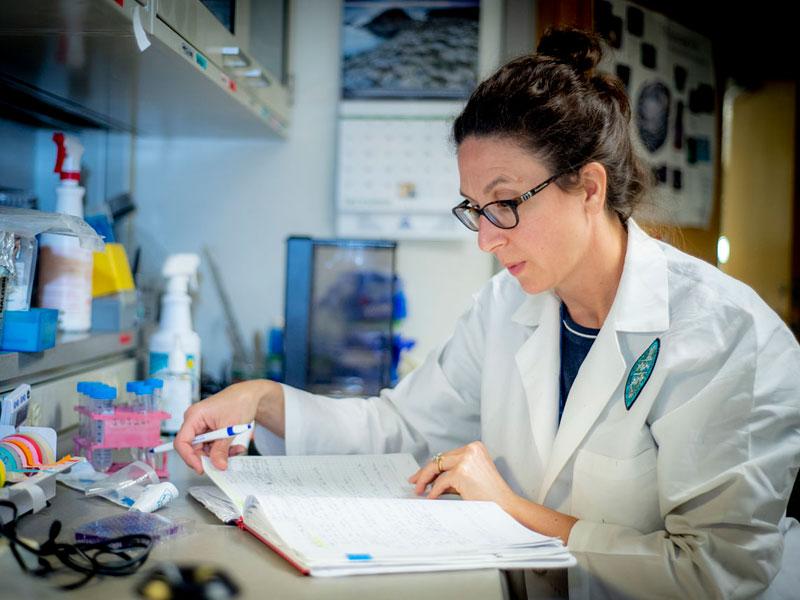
column 31, row 330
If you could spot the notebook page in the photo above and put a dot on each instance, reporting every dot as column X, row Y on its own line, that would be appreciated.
column 376, row 476
column 331, row 530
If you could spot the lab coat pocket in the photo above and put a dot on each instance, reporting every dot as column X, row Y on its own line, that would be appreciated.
column 622, row 491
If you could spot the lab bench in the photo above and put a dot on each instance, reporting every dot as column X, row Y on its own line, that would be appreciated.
column 256, row 570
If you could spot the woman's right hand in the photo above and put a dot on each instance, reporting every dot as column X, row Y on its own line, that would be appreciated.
column 258, row 400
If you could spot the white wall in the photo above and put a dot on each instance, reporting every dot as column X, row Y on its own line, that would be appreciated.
column 243, row 198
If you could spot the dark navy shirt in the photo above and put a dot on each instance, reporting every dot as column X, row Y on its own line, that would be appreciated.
column 576, row 341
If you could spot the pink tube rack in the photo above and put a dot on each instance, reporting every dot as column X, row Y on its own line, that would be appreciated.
column 125, row 429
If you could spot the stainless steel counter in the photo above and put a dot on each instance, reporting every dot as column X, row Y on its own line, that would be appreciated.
column 257, row 571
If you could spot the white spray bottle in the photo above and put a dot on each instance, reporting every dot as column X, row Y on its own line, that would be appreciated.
column 177, row 392
column 180, row 270
column 65, row 269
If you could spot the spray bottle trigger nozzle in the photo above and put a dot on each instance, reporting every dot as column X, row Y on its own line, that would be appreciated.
column 58, row 138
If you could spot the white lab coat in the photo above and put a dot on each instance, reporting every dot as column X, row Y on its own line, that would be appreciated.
column 683, row 495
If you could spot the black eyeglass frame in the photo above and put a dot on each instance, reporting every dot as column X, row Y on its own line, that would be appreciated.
column 513, row 204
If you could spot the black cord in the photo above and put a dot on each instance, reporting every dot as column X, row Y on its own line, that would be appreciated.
column 115, row 557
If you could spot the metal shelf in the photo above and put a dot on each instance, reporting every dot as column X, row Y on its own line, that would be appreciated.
column 79, row 61
column 72, row 353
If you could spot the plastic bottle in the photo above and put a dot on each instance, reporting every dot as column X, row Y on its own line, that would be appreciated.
column 103, row 397
column 177, row 393
column 180, row 270
column 65, row 269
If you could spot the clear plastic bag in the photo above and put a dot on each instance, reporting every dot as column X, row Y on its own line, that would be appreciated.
column 136, row 473
column 135, row 486
column 30, row 223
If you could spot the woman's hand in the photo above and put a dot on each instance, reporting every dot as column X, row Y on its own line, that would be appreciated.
column 468, row 471
column 258, row 400
column 471, row 472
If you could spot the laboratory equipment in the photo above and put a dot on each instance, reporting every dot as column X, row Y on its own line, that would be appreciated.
column 40, row 475
column 135, row 426
column 339, row 315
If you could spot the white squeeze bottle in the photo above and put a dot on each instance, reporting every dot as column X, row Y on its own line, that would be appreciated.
column 65, row 269
column 180, row 270
column 176, row 396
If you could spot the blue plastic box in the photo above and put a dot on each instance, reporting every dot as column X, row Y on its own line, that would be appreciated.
column 31, row 330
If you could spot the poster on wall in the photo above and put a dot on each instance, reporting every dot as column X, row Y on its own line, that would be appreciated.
column 408, row 49
column 668, row 72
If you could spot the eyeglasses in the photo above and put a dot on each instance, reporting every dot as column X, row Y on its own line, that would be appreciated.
column 500, row 213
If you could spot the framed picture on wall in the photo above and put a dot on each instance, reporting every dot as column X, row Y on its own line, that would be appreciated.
column 404, row 49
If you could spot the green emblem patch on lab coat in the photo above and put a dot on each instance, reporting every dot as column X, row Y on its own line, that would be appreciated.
column 640, row 373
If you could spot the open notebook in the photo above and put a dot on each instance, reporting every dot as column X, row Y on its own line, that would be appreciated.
column 354, row 514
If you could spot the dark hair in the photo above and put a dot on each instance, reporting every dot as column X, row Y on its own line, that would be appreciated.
column 556, row 105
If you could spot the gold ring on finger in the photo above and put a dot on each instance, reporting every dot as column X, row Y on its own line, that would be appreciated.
column 438, row 460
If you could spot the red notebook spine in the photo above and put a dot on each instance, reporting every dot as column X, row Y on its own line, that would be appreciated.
column 242, row 525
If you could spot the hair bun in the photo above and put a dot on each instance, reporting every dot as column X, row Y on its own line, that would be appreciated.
column 578, row 49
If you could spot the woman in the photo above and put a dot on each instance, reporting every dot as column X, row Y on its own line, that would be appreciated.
column 605, row 388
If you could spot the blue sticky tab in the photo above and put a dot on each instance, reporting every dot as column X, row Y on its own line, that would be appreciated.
column 230, row 430
column 359, row 557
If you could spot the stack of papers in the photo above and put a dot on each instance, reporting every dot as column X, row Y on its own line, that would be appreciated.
column 356, row 514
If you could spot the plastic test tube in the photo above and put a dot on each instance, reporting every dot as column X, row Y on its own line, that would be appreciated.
column 143, row 399
column 81, row 389
column 143, row 394
column 130, row 388
column 103, row 397
column 157, row 386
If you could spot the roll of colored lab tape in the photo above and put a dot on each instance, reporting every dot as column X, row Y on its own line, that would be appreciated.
column 9, row 457
column 38, row 455
column 23, row 445
column 2, row 474
column 30, row 444
column 14, row 461
column 48, row 453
